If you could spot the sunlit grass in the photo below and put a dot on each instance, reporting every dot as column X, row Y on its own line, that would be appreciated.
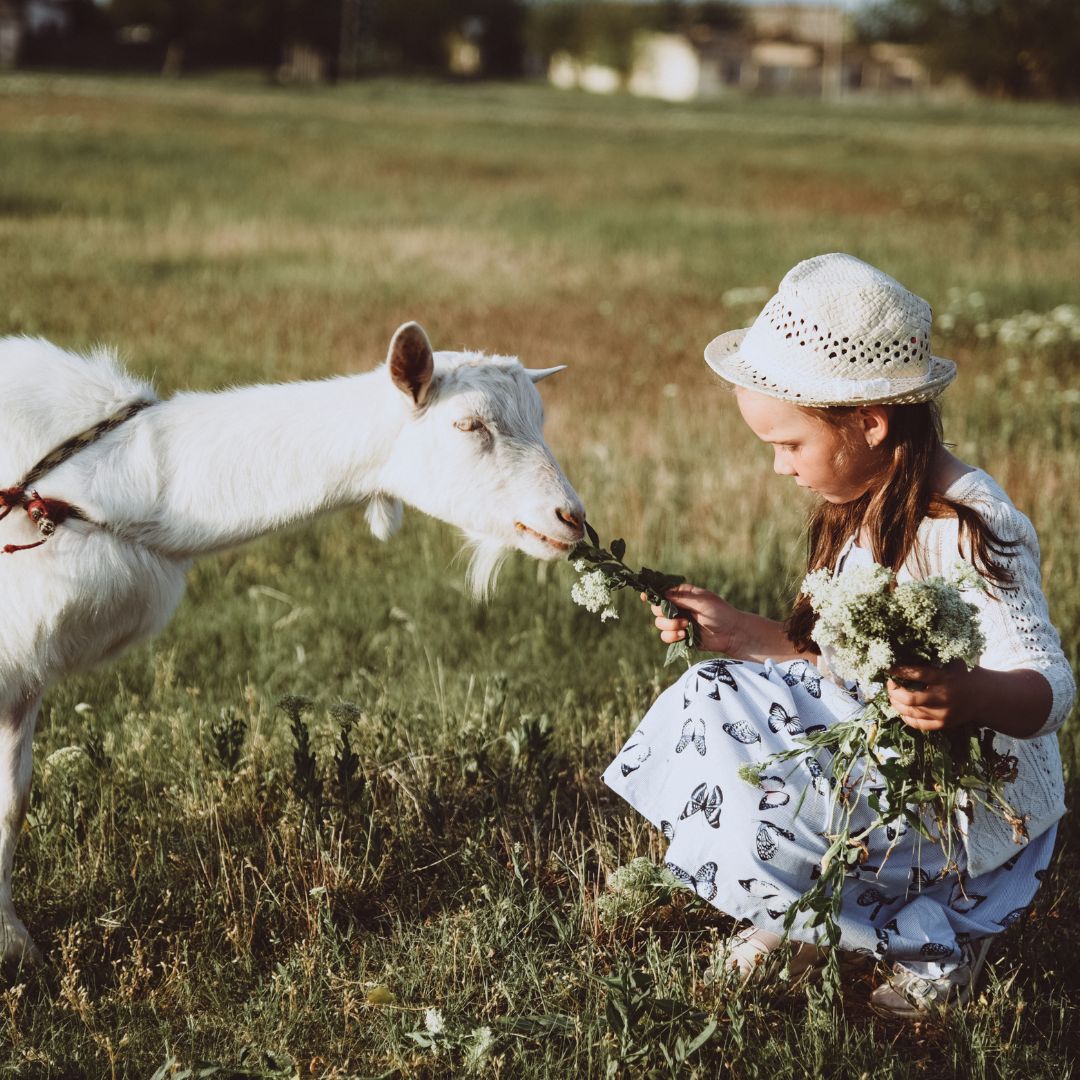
column 221, row 232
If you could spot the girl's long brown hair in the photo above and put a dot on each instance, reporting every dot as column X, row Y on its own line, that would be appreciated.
column 898, row 500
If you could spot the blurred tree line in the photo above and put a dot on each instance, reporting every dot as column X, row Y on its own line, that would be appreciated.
column 1018, row 48
column 377, row 35
column 1013, row 48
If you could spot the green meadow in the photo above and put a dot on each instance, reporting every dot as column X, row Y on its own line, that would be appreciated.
column 226, row 885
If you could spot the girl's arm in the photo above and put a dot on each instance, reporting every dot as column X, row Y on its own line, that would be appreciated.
column 723, row 627
column 1023, row 685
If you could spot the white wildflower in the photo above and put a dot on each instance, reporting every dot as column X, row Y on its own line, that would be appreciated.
column 1030, row 330
column 635, row 887
column 1049, row 334
column 1037, row 330
column 482, row 1041
column 755, row 294
column 65, row 760
column 1066, row 315
column 592, row 593
column 1011, row 332
column 434, row 1022
column 964, row 576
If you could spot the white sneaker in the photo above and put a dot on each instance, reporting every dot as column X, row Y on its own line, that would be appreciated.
column 907, row 994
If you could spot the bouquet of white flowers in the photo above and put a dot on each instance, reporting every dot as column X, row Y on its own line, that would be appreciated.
column 866, row 625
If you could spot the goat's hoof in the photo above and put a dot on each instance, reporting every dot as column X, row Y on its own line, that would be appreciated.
column 19, row 954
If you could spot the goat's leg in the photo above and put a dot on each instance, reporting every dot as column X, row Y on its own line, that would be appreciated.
column 16, row 738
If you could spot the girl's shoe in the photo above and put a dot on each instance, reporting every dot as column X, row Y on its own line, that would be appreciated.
column 907, row 994
column 749, row 951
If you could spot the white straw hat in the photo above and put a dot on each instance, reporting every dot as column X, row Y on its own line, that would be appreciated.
column 838, row 332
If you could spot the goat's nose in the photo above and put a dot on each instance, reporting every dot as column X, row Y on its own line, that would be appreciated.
column 571, row 517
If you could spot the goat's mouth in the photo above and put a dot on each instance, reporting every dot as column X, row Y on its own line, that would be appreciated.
column 550, row 541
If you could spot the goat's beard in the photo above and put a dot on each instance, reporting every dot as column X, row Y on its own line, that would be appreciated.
column 485, row 561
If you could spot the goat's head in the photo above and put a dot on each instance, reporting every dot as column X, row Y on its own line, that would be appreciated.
column 472, row 453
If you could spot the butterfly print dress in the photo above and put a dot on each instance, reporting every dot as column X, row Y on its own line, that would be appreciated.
column 752, row 850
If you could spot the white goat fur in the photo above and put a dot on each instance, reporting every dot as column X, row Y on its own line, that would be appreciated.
column 457, row 435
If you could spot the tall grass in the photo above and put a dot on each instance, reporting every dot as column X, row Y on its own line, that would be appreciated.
column 216, row 878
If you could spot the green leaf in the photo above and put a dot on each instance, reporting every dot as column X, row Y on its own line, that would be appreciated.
column 671, row 1009
column 615, row 1014
column 537, row 1024
column 590, row 532
column 677, row 650
column 588, row 552
column 618, row 549
column 702, row 1037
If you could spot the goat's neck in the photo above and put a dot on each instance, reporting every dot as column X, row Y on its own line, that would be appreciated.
column 235, row 465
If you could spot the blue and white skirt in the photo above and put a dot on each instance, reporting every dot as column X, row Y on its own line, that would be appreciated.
column 752, row 851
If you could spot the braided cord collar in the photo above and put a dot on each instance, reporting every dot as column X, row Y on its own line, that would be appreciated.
column 46, row 513
column 76, row 443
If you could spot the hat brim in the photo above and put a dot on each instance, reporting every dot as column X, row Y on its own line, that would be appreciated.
column 723, row 356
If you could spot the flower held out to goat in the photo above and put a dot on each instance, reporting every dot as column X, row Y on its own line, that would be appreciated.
column 595, row 588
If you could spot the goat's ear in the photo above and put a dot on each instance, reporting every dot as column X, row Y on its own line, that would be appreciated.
column 410, row 361
column 536, row 374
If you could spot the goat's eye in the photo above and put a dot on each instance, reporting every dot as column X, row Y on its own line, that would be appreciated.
column 473, row 423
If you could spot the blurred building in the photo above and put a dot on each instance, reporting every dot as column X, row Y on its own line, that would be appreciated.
column 807, row 49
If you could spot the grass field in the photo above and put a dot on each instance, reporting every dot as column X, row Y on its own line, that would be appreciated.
column 204, row 891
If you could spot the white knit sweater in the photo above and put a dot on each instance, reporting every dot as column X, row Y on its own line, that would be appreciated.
column 1019, row 634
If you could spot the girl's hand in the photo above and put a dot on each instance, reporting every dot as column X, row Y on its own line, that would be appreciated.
column 931, row 699
column 718, row 621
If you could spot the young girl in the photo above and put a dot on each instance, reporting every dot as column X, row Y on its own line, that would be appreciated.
column 836, row 374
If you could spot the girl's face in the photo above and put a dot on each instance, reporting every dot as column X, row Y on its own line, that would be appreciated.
column 832, row 463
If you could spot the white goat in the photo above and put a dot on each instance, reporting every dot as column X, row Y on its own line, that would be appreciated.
column 457, row 435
